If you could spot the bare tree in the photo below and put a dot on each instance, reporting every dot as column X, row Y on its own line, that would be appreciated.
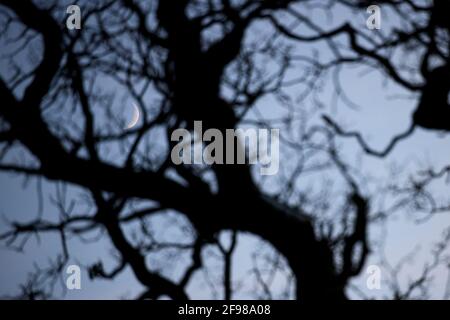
column 182, row 61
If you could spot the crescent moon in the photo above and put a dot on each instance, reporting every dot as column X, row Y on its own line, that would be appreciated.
column 135, row 118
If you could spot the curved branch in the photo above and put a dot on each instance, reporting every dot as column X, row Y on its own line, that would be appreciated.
column 363, row 144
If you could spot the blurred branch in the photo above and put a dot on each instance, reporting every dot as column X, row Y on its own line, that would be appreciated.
column 362, row 143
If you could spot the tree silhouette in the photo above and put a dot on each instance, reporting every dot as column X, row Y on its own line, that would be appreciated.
column 183, row 61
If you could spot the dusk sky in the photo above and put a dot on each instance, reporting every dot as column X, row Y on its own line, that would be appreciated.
column 383, row 110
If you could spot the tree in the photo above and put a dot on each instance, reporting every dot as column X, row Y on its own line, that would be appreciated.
column 182, row 61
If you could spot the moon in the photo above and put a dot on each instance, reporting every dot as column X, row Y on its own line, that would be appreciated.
column 135, row 118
